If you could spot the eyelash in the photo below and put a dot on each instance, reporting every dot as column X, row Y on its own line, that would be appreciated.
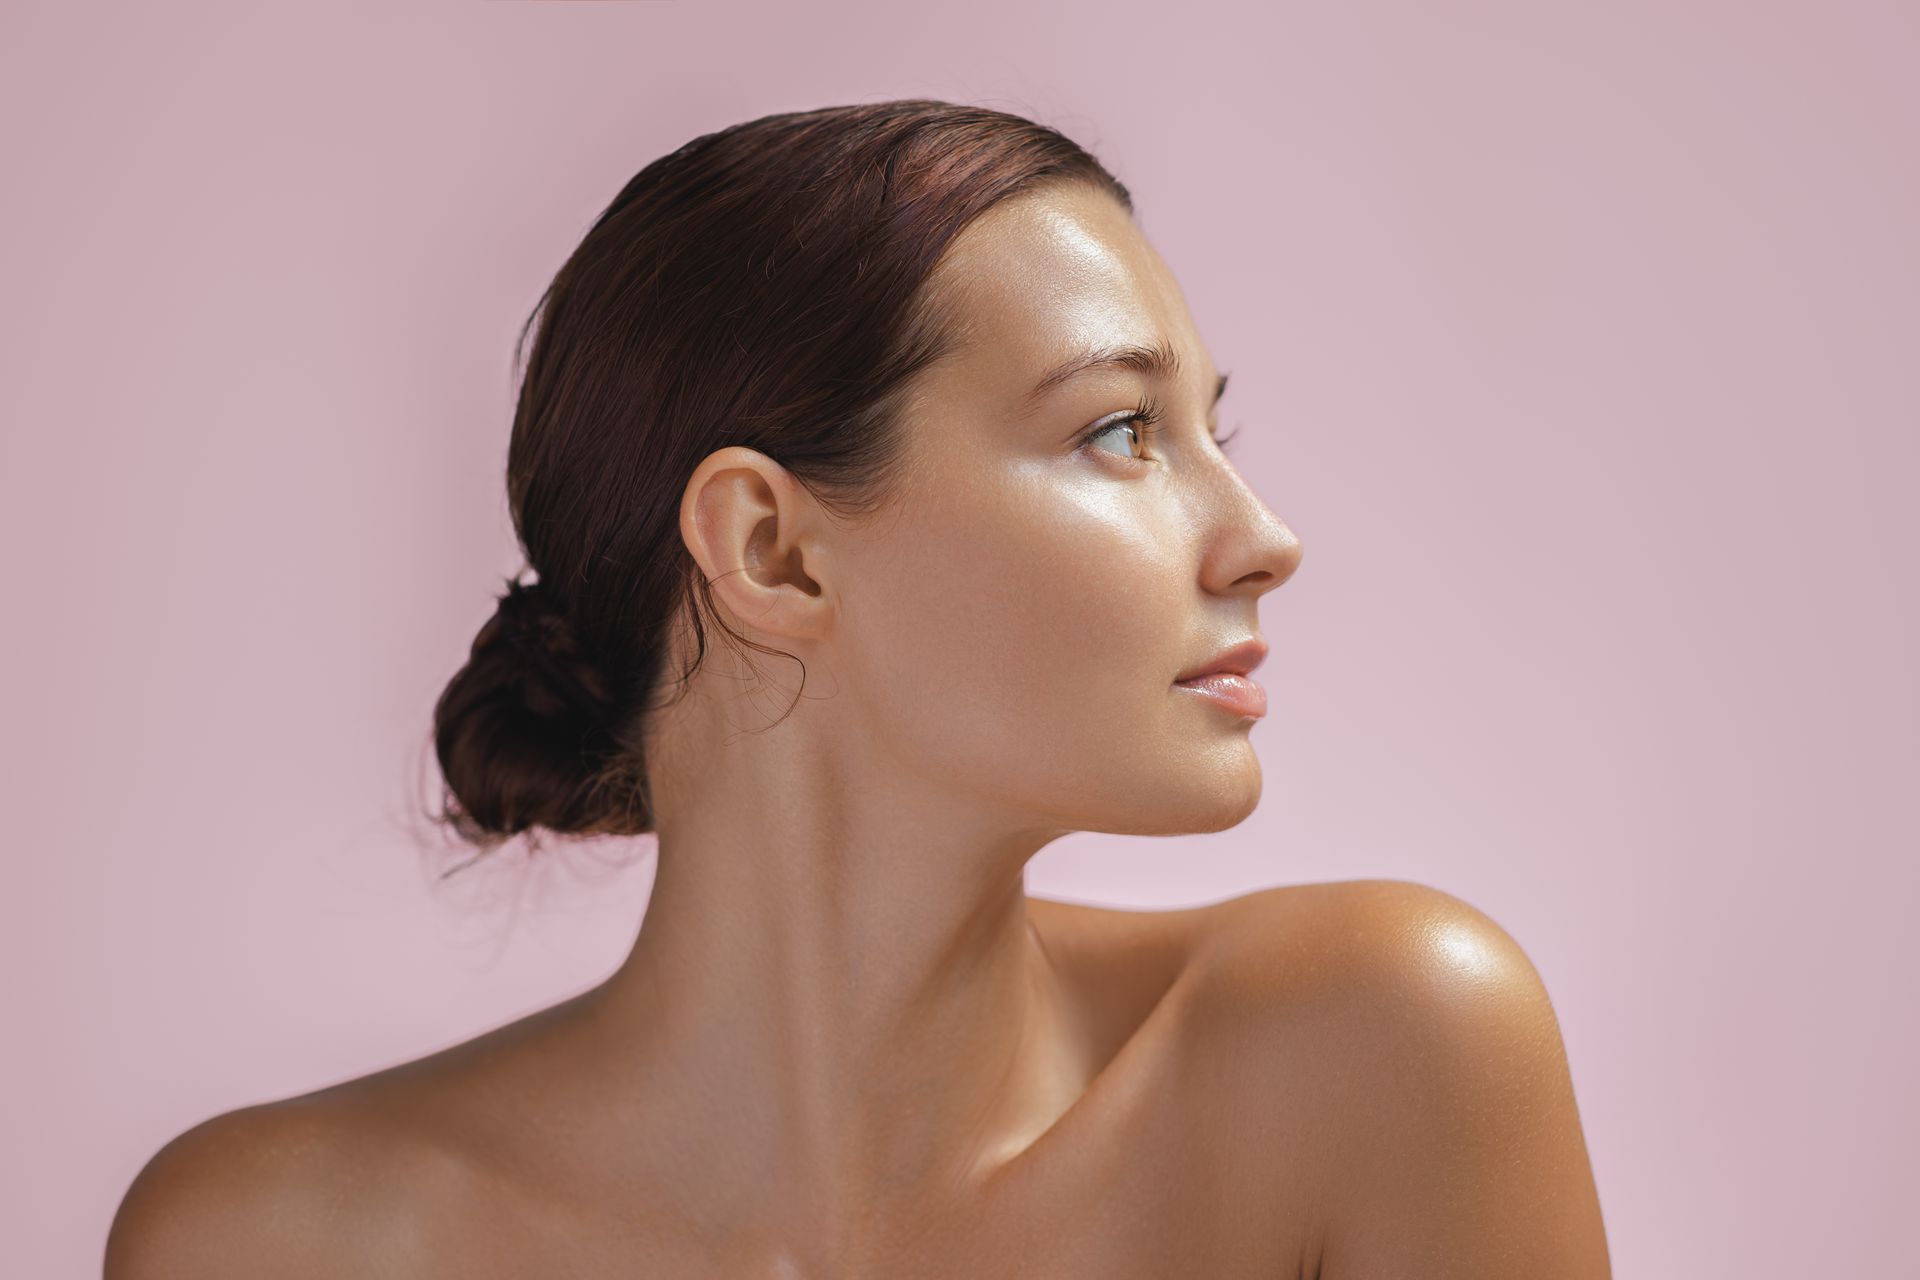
column 1145, row 419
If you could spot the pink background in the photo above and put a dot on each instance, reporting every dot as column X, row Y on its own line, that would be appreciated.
column 1580, row 344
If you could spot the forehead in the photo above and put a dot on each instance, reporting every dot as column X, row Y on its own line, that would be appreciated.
column 1046, row 275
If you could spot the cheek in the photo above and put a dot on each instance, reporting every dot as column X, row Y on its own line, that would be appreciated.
column 1027, row 630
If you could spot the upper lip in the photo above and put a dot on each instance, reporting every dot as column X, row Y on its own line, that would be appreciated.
column 1241, row 659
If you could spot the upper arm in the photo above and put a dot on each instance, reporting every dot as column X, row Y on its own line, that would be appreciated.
column 249, row 1193
column 1478, row 1166
column 1424, row 1033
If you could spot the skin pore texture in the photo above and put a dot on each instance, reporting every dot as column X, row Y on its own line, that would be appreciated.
column 845, row 1041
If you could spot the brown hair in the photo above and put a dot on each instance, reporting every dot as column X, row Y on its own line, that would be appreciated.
column 761, row 286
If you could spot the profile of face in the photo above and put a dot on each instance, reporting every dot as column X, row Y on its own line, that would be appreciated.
column 1008, row 634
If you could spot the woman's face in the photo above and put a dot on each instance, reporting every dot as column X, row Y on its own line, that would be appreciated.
column 1013, row 627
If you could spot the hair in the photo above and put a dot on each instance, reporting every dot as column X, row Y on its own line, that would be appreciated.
column 764, row 286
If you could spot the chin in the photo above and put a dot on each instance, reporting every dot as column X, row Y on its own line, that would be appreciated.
column 1214, row 807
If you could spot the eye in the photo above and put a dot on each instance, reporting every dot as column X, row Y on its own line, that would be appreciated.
column 1141, row 421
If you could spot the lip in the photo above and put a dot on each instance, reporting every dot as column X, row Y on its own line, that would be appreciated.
column 1225, row 679
column 1236, row 693
column 1240, row 660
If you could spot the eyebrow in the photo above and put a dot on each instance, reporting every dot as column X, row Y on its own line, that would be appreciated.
column 1158, row 360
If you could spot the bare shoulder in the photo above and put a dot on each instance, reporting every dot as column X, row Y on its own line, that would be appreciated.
column 1295, row 946
column 1405, row 1039
column 247, row 1192
column 304, row 1188
column 1302, row 940
column 385, row 1174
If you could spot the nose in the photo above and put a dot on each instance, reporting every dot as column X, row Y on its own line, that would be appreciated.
column 1252, row 551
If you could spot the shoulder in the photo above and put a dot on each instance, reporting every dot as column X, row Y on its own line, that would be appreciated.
column 302, row 1188
column 1406, row 1040
column 1311, row 941
column 246, row 1192
column 1361, row 987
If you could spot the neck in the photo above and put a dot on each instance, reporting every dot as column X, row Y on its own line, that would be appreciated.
column 840, row 1013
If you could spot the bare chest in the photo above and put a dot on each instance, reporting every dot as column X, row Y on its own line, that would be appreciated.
column 1160, row 1171
column 1185, row 1156
column 1150, row 1213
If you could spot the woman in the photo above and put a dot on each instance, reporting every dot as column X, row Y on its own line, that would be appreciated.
column 898, row 398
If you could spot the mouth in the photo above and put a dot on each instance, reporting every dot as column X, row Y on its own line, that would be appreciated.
column 1230, row 691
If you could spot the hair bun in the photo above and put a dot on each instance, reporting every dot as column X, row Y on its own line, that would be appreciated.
column 533, row 626
column 526, row 731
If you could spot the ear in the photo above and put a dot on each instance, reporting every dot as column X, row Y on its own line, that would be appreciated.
column 755, row 533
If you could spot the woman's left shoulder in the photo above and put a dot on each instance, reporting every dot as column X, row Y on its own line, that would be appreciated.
column 1287, row 951
column 1399, row 1048
column 1369, row 969
column 1295, row 939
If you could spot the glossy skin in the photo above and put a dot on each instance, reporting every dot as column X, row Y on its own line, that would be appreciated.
column 845, row 1042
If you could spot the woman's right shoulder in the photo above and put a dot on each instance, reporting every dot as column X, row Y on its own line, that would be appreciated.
column 308, row 1188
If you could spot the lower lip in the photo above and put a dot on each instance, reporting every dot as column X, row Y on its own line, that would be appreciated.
column 1235, row 693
